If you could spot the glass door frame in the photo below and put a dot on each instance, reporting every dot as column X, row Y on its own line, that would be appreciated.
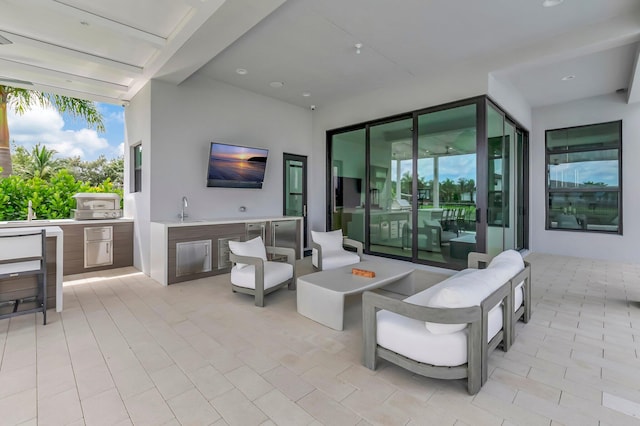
column 521, row 190
column 285, row 179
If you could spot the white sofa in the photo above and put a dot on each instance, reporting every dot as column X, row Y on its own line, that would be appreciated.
column 448, row 330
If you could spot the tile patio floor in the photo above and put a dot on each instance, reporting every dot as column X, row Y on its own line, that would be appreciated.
column 129, row 351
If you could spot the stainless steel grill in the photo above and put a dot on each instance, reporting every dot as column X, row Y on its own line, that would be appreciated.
column 96, row 206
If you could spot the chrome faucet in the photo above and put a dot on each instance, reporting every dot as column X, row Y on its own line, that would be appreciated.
column 185, row 204
column 30, row 213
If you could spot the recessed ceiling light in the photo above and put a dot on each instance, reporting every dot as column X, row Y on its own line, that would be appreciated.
column 568, row 77
column 306, row 94
column 276, row 84
column 551, row 3
column 241, row 71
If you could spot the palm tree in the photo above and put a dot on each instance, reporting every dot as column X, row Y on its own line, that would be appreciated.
column 23, row 99
column 41, row 163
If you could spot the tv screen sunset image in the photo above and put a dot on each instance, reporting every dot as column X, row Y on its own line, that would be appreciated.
column 236, row 166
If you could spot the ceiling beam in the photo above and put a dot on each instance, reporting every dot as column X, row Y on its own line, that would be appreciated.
column 19, row 68
column 78, row 54
column 95, row 19
column 633, row 93
column 79, row 94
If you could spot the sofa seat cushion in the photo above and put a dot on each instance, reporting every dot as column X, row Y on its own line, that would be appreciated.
column 410, row 338
column 334, row 258
column 274, row 273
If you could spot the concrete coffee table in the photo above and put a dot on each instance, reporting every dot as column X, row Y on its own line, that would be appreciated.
column 321, row 294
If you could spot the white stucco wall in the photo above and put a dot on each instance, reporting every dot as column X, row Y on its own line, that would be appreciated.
column 186, row 118
column 509, row 99
column 176, row 131
column 136, row 205
column 590, row 245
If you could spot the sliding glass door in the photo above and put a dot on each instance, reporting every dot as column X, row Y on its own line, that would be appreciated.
column 431, row 186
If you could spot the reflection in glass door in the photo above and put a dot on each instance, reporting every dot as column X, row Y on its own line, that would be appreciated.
column 391, row 187
column 346, row 183
column 446, row 185
column 505, row 205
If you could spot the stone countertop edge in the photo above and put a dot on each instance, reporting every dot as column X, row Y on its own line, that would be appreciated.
column 201, row 222
column 57, row 222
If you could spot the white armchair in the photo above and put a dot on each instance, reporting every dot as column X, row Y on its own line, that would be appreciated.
column 328, row 250
column 253, row 274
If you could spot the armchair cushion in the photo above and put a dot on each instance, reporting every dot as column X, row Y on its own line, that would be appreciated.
column 274, row 273
column 251, row 248
column 336, row 259
column 330, row 241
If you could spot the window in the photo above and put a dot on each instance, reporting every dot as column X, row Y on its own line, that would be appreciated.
column 584, row 178
column 136, row 161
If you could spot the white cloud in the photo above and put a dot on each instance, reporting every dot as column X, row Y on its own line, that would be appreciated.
column 46, row 126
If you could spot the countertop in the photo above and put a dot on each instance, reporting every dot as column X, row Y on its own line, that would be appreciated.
column 57, row 222
column 201, row 222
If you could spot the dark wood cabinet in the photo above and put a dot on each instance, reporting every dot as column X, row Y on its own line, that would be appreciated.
column 74, row 246
column 165, row 237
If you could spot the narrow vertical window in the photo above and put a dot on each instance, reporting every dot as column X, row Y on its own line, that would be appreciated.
column 584, row 178
column 136, row 161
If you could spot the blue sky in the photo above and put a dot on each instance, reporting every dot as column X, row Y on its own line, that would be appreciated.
column 67, row 135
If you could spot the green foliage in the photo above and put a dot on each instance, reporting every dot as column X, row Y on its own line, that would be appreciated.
column 97, row 171
column 50, row 199
column 40, row 162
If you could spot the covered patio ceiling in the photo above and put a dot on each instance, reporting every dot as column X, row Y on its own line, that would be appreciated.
column 107, row 50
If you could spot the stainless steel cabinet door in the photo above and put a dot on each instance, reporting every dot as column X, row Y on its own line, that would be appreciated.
column 193, row 257
column 98, row 253
column 284, row 234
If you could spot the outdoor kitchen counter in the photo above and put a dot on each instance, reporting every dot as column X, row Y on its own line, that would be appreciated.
column 74, row 241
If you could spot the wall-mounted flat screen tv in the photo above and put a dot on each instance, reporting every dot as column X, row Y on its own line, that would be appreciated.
column 233, row 166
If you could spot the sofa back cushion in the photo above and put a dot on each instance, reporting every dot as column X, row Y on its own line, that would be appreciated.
column 507, row 264
column 468, row 288
column 251, row 248
column 464, row 291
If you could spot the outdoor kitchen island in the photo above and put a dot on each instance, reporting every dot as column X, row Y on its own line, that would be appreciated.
column 66, row 248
